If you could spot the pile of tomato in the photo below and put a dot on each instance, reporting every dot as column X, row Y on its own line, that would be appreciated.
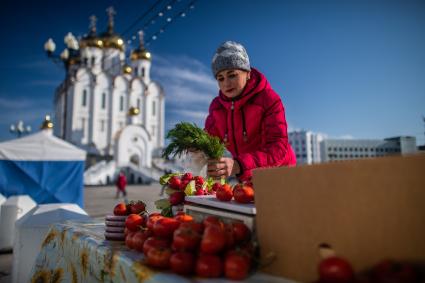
column 211, row 248
column 242, row 193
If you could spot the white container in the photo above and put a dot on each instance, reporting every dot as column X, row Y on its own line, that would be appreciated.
column 11, row 210
column 31, row 231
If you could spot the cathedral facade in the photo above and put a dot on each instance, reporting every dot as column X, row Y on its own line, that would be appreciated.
column 108, row 105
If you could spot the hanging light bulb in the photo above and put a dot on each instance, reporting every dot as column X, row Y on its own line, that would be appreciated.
column 154, row 37
column 169, row 7
column 160, row 14
column 169, row 19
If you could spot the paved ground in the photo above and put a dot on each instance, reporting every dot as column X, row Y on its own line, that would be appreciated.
column 98, row 201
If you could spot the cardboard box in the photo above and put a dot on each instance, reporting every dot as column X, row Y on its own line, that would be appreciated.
column 367, row 210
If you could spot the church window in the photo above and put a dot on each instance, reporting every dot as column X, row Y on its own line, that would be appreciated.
column 93, row 61
column 136, row 72
column 143, row 72
column 153, row 108
column 103, row 100
column 121, row 103
column 86, row 60
column 83, row 125
column 84, row 102
column 138, row 103
column 153, row 131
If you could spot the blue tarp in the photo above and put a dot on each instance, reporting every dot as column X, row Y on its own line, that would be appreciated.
column 48, row 169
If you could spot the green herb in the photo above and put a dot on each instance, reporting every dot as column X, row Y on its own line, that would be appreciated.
column 186, row 136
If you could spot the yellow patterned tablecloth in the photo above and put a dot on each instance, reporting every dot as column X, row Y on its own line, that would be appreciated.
column 78, row 252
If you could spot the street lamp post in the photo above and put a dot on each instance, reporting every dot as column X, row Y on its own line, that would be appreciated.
column 19, row 129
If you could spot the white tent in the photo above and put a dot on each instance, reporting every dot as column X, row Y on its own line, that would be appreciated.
column 43, row 166
column 11, row 210
column 31, row 230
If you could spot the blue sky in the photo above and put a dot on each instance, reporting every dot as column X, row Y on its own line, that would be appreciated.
column 345, row 68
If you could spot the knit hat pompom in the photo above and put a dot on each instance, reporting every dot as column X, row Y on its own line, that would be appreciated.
column 230, row 55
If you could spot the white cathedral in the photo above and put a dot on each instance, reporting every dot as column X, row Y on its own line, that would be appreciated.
column 110, row 108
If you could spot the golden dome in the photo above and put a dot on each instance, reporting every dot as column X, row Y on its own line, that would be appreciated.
column 126, row 69
column 133, row 111
column 47, row 124
column 91, row 41
column 140, row 54
column 112, row 40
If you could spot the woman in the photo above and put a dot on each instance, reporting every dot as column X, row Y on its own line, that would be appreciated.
column 248, row 115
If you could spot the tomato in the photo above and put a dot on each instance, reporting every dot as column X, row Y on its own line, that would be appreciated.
column 174, row 182
column 120, row 209
column 137, row 207
column 212, row 221
column 182, row 263
column 243, row 193
column 224, row 193
column 152, row 219
column 183, row 217
column 230, row 238
column 159, row 257
column 241, row 232
column 155, row 242
column 209, row 266
column 236, row 266
column 165, row 227
column 139, row 239
column 196, row 226
column 335, row 270
column 134, row 221
column 214, row 240
column 177, row 198
column 129, row 239
column 186, row 239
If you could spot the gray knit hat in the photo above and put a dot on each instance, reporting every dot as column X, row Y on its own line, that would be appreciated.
column 230, row 55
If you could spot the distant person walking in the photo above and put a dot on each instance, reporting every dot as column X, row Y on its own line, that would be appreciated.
column 121, row 183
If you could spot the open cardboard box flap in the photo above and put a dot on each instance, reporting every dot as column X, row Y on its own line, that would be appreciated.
column 367, row 210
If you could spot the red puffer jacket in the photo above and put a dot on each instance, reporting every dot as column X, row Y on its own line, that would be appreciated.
column 253, row 126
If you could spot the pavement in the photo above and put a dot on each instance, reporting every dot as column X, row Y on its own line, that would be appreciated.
column 98, row 201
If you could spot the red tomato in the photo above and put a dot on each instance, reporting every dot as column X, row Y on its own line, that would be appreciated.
column 335, row 270
column 165, row 227
column 224, row 193
column 139, row 239
column 184, row 184
column 129, row 239
column 134, row 221
column 183, row 217
column 212, row 221
column 120, row 209
column 209, row 266
column 155, row 242
column 159, row 257
column 230, row 238
column 186, row 239
column 152, row 219
column 137, row 207
column 241, row 232
column 182, row 263
column 243, row 194
column 196, row 226
column 213, row 240
column 174, row 182
column 236, row 266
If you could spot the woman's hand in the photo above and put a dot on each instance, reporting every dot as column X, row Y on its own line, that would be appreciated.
column 222, row 168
